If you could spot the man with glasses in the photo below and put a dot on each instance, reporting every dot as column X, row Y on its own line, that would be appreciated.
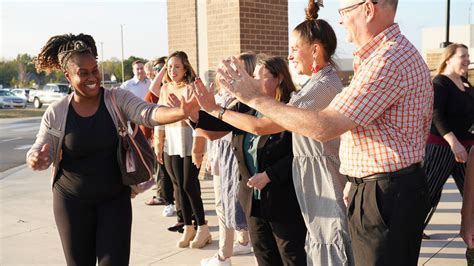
column 383, row 118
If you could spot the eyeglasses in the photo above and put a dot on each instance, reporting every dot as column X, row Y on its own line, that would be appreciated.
column 345, row 10
column 157, row 68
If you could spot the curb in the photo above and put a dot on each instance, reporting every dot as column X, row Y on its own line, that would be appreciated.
column 12, row 171
column 12, row 119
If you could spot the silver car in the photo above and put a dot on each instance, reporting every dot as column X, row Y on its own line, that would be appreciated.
column 10, row 100
column 50, row 93
column 22, row 93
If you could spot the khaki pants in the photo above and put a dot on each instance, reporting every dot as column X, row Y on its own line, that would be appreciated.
column 226, row 235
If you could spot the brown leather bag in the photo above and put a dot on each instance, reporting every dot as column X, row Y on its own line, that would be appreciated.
column 136, row 158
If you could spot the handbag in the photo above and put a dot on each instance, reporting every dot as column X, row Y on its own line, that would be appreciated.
column 136, row 158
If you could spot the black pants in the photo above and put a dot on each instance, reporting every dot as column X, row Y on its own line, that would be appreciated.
column 184, row 175
column 439, row 165
column 92, row 231
column 277, row 243
column 164, row 184
column 386, row 219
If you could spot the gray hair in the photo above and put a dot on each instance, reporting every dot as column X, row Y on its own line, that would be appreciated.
column 389, row 3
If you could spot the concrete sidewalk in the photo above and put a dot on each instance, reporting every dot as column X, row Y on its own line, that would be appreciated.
column 28, row 233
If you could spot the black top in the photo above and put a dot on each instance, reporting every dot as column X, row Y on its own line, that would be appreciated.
column 278, row 200
column 453, row 108
column 89, row 168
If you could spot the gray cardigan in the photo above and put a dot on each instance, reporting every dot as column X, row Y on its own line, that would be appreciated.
column 53, row 123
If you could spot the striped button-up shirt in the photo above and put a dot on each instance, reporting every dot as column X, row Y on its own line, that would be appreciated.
column 391, row 100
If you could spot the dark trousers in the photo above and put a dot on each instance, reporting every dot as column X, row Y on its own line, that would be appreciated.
column 439, row 165
column 92, row 231
column 277, row 243
column 164, row 184
column 386, row 219
column 184, row 175
column 470, row 256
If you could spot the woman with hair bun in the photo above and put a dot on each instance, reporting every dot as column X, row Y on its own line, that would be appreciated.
column 266, row 192
column 78, row 136
column 317, row 181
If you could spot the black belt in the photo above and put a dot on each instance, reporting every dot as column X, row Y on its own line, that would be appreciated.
column 384, row 176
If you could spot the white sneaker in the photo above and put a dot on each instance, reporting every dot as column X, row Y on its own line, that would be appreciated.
column 168, row 211
column 239, row 249
column 215, row 261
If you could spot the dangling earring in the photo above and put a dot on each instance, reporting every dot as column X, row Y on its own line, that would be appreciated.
column 315, row 67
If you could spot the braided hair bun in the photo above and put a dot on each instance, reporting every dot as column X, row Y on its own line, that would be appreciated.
column 59, row 49
column 313, row 9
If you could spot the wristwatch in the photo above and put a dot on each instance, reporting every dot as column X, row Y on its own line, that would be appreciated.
column 221, row 112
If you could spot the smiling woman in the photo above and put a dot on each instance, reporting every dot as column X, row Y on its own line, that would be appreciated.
column 78, row 135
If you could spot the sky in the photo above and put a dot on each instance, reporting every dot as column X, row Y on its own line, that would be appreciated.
column 25, row 26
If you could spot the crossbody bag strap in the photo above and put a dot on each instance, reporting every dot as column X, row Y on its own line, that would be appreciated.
column 121, row 124
column 123, row 129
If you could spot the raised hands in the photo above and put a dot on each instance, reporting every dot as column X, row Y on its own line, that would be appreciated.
column 39, row 160
column 205, row 97
column 241, row 85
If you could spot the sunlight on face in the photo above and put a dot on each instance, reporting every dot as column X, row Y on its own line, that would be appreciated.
column 176, row 69
column 270, row 83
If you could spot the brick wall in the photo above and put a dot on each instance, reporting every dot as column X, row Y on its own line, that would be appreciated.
column 264, row 26
column 433, row 58
column 182, row 28
column 233, row 26
column 222, row 31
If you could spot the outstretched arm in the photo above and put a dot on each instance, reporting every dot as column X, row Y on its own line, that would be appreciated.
column 185, row 107
column 245, row 122
column 321, row 125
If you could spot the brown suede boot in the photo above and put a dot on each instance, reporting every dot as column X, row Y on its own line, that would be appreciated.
column 188, row 235
column 203, row 237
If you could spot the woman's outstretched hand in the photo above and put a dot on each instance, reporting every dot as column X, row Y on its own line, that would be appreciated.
column 205, row 97
column 238, row 82
column 188, row 103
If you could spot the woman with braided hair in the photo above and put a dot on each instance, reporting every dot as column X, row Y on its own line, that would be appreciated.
column 78, row 136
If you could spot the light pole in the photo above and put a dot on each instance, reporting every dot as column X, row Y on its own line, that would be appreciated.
column 102, row 62
column 121, row 37
column 447, row 42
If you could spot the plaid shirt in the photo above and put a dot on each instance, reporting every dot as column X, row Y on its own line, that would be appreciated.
column 391, row 100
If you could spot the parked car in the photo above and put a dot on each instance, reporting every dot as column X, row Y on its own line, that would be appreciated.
column 22, row 93
column 50, row 93
column 10, row 100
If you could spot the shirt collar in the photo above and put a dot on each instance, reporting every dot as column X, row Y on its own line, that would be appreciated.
column 135, row 80
column 367, row 49
column 322, row 72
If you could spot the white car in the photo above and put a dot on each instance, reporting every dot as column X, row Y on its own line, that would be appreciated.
column 10, row 100
column 22, row 93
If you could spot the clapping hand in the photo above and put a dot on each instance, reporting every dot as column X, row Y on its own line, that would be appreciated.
column 204, row 96
column 238, row 82
column 39, row 160
column 188, row 103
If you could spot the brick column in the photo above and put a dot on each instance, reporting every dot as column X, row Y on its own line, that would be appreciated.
column 182, row 28
column 233, row 26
